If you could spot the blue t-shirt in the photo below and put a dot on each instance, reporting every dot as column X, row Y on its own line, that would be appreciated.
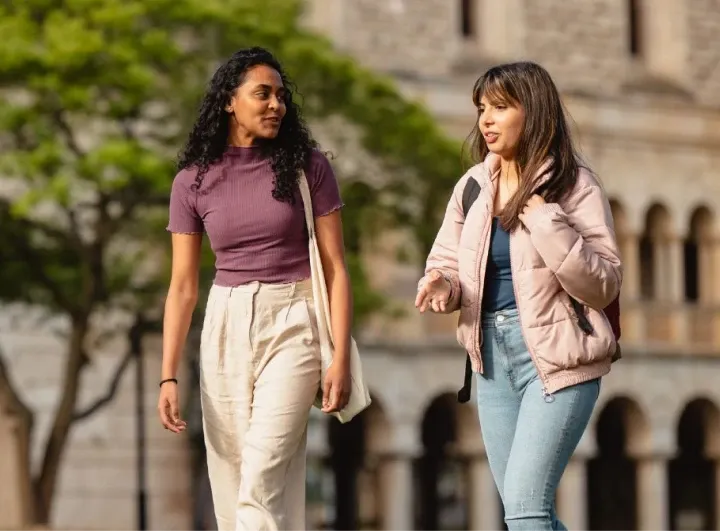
column 498, row 292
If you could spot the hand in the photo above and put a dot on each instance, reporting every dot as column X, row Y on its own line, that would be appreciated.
column 168, row 408
column 434, row 293
column 336, row 387
column 534, row 202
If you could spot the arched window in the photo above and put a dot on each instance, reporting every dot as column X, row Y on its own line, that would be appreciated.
column 467, row 14
column 634, row 28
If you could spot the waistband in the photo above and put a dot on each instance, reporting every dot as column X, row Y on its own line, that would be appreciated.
column 279, row 291
column 500, row 318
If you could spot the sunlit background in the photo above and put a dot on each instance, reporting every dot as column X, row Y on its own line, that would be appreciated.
column 95, row 99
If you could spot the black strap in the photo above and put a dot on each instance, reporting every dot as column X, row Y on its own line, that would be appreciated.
column 464, row 393
column 470, row 194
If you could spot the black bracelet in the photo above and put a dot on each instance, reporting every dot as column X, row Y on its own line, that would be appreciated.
column 168, row 380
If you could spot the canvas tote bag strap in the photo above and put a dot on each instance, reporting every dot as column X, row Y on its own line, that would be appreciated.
column 320, row 295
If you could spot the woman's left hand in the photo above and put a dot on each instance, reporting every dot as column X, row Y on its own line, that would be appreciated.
column 336, row 387
column 534, row 202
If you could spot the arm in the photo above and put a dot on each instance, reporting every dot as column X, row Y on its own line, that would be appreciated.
column 444, row 252
column 337, row 384
column 579, row 246
column 328, row 229
column 181, row 299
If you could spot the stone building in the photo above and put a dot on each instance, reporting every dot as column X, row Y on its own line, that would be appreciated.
column 641, row 79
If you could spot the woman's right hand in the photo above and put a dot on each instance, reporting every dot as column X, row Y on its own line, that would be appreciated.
column 435, row 293
column 168, row 408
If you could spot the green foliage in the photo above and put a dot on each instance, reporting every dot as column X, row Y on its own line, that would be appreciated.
column 96, row 98
column 98, row 95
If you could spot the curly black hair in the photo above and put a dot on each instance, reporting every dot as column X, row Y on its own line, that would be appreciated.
column 289, row 151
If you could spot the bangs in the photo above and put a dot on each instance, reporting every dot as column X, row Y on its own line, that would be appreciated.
column 497, row 87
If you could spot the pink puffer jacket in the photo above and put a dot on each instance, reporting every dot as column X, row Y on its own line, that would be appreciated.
column 568, row 250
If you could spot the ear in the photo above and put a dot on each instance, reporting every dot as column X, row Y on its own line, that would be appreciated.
column 229, row 107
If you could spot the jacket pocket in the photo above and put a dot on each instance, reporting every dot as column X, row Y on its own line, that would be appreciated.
column 584, row 336
column 579, row 316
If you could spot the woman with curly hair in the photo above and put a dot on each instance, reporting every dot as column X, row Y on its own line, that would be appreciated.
column 259, row 353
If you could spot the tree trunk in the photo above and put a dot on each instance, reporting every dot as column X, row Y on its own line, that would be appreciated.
column 15, row 407
column 46, row 482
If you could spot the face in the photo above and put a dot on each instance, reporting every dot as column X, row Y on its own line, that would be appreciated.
column 258, row 105
column 501, row 125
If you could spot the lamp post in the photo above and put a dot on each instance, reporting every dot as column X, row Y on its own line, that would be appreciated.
column 136, row 335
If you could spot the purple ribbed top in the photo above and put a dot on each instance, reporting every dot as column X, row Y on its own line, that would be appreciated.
column 254, row 236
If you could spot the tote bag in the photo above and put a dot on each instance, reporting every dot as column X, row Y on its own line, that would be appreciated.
column 359, row 393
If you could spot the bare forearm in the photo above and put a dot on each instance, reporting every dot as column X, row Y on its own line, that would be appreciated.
column 340, row 299
column 179, row 308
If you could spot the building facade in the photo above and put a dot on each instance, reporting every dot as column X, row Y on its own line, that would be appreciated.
column 641, row 80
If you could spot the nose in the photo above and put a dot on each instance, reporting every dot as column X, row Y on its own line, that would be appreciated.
column 486, row 118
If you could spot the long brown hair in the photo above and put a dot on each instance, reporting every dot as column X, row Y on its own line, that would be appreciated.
column 545, row 136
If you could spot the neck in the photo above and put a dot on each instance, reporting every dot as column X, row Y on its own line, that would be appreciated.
column 508, row 170
column 239, row 137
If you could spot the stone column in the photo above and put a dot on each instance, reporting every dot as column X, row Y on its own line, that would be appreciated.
column 483, row 500
column 572, row 494
column 713, row 245
column 396, row 492
column 652, row 493
column 674, row 280
column 633, row 320
column 674, row 270
column 706, row 274
column 395, row 445
column 714, row 288
column 630, row 254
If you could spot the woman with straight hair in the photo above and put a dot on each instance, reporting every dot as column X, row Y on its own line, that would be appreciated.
column 531, row 268
column 260, row 360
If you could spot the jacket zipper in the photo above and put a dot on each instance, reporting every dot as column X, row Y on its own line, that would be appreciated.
column 548, row 397
column 481, row 287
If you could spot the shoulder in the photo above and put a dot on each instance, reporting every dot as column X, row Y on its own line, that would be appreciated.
column 185, row 178
column 587, row 178
column 588, row 199
column 480, row 173
column 587, row 184
column 318, row 164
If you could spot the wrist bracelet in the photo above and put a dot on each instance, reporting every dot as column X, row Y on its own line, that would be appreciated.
column 168, row 380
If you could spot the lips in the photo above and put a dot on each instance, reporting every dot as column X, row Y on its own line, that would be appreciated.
column 491, row 138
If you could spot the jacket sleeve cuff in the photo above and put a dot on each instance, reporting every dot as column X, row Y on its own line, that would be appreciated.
column 454, row 299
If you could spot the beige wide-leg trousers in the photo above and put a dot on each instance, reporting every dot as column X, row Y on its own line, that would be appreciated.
column 259, row 374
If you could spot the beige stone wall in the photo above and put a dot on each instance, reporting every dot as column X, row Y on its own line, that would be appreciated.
column 704, row 49
column 590, row 34
column 584, row 44
column 394, row 35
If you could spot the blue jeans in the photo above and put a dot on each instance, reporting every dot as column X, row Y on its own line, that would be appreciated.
column 528, row 437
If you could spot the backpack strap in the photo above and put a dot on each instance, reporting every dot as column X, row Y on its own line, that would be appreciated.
column 470, row 194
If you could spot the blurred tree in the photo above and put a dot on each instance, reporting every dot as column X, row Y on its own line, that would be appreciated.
column 96, row 98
